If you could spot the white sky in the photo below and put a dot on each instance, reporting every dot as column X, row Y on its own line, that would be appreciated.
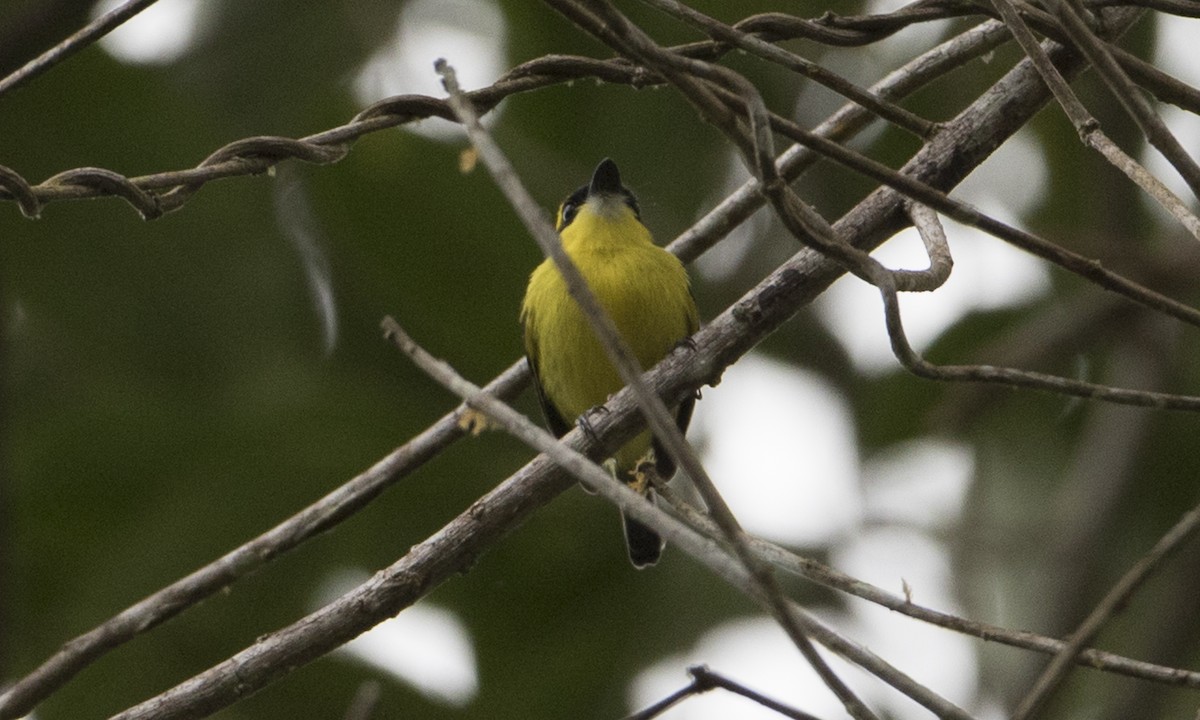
column 158, row 35
column 427, row 647
column 775, row 433
column 470, row 34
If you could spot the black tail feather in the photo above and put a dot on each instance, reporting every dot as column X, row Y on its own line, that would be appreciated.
column 645, row 545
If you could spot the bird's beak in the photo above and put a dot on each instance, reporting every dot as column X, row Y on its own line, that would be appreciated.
column 606, row 180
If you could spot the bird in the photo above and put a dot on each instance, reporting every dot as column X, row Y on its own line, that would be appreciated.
column 646, row 292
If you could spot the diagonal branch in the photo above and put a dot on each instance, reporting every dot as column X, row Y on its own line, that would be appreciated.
column 1088, row 126
column 1056, row 672
column 829, row 577
column 1128, row 94
column 322, row 515
column 87, row 35
column 704, row 680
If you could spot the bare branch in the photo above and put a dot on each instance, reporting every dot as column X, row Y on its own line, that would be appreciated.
column 1089, row 128
column 720, row 31
column 1116, row 598
column 918, row 365
column 182, row 594
column 936, row 247
column 1129, row 95
column 829, row 577
column 87, row 35
column 704, row 680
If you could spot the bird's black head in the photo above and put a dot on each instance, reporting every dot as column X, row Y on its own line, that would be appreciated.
column 606, row 183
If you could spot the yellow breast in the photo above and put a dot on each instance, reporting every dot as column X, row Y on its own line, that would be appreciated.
column 642, row 287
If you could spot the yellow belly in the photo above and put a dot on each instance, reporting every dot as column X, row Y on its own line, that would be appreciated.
column 643, row 288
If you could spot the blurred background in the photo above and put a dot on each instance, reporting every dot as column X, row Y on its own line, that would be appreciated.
column 173, row 388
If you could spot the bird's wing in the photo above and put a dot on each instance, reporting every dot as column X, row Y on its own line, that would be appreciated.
column 554, row 420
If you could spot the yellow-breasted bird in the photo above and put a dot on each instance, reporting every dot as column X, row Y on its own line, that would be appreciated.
column 643, row 288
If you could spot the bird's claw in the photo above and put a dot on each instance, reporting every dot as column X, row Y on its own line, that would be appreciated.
column 586, row 427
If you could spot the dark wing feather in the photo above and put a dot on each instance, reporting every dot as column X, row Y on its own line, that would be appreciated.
column 663, row 462
column 554, row 420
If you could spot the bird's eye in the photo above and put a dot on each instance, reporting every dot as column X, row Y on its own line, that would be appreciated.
column 632, row 202
column 567, row 213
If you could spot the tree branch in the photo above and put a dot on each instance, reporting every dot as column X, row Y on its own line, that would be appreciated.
column 1056, row 672
column 704, row 680
column 834, row 579
column 1089, row 128
column 87, row 35
column 173, row 599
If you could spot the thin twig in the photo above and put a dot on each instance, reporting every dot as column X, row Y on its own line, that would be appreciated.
column 704, row 680
column 832, row 578
column 1088, row 127
column 937, row 248
column 1116, row 598
column 77, row 41
column 1129, row 95
column 667, row 703
column 891, row 112
column 918, row 365
column 708, row 678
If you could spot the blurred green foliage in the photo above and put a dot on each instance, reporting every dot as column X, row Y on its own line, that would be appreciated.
column 167, row 394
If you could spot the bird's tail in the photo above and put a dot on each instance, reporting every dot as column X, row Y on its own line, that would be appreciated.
column 645, row 545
